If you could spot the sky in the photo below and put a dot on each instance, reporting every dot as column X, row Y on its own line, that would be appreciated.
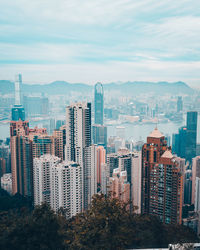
column 100, row 40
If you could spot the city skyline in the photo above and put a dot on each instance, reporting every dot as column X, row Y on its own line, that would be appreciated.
column 100, row 41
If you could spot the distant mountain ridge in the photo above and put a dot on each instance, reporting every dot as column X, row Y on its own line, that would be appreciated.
column 136, row 87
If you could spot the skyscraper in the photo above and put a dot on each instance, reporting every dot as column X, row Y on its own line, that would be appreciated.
column 18, row 112
column 78, row 140
column 41, row 178
column 195, row 174
column 21, row 158
column 98, row 104
column 162, row 180
column 179, row 104
column 191, row 142
column 151, row 153
column 185, row 142
column 21, row 165
column 101, row 160
column 136, row 181
column 78, row 131
column 99, row 133
column 58, row 184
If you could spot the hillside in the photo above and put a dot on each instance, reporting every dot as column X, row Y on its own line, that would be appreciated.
column 62, row 87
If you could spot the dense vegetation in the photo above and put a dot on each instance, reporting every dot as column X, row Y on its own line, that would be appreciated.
column 106, row 225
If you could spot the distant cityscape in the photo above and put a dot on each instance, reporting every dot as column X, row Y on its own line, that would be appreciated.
column 63, row 148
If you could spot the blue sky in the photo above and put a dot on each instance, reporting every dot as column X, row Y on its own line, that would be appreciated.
column 100, row 40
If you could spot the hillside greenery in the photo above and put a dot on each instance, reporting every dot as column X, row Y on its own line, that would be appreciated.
column 106, row 225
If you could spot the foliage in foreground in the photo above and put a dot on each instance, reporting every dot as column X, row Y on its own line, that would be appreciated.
column 106, row 225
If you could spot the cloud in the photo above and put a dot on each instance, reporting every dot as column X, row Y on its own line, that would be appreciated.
column 146, row 38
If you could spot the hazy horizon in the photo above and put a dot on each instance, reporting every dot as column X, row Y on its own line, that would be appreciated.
column 106, row 41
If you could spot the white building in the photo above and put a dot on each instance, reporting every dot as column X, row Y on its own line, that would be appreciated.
column 136, row 174
column 78, row 142
column 6, row 183
column 105, row 174
column 67, row 187
column 41, row 177
column 90, row 174
column 195, row 174
column 58, row 184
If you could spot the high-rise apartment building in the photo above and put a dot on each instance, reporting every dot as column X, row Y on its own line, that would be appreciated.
column 78, row 131
column 21, row 158
column 41, row 178
column 90, row 173
column 119, row 187
column 59, row 184
column 59, row 140
column 78, row 140
column 67, row 187
column 98, row 103
column 101, row 160
column 123, row 160
column 21, row 165
column 162, row 180
column 195, row 174
column 136, row 175
column 151, row 153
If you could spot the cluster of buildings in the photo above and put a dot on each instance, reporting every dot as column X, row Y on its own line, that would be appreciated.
column 65, row 169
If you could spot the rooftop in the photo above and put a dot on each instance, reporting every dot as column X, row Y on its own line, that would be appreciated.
column 167, row 154
column 156, row 134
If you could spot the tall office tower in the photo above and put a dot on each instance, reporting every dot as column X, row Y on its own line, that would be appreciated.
column 90, row 174
column 195, row 174
column 18, row 86
column 179, row 104
column 78, row 137
column 136, row 181
column 98, row 104
column 191, row 142
column 119, row 187
column 101, row 160
column 67, row 187
column 151, row 153
column 99, row 133
column 18, row 112
column 41, row 178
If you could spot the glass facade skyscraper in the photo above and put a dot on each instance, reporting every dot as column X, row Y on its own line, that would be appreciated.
column 98, row 103
column 191, row 143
